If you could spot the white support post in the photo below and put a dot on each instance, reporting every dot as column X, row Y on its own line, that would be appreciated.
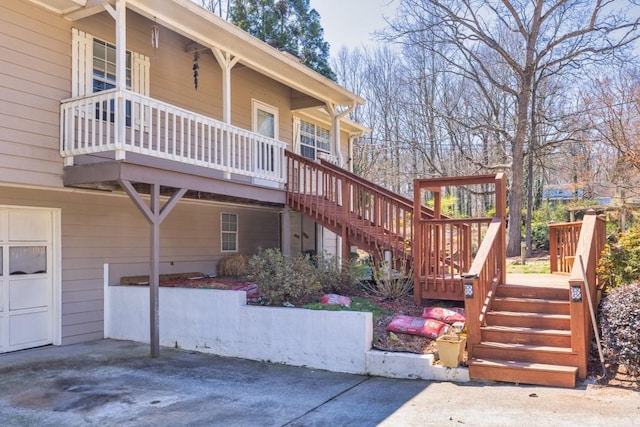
column 121, row 75
column 226, row 63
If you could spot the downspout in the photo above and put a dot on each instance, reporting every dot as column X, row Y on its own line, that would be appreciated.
column 335, row 125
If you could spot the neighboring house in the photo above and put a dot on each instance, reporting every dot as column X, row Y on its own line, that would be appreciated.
column 96, row 135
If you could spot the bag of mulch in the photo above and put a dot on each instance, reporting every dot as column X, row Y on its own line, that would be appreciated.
column 429, row 328
column 446, row 315
column 334, row 299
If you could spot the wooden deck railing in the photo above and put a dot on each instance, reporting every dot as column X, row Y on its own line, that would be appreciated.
column 589, row 248
column 452, row 245
column 563, row 242
column 482, row 279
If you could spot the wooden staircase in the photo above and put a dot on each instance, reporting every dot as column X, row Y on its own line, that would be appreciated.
column 527, row 338
column 522, row 332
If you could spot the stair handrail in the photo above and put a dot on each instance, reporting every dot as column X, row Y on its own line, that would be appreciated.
column 349, row 185
column 589, row 248
column 482, row 279
column 426, row 211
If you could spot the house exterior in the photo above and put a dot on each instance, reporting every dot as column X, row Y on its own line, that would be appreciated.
column 144, row 137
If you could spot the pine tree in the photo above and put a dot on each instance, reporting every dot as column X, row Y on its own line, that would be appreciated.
column 288, row 25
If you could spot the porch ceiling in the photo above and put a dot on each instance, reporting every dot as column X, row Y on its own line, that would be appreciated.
column 201, row 183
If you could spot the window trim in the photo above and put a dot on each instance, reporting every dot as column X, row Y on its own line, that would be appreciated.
column 259, row 105
column 226, row 232
column 313, row 147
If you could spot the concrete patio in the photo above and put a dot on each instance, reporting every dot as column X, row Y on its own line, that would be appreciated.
column 110, row 383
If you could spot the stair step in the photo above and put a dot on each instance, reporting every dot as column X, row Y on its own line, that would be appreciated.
column 531, row 336
column 529, row 320
column 522, row 372
column 530, row 305
column 525, row 353
column 539, row 292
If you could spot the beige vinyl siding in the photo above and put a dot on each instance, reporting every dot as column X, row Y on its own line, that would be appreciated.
column 171, row 74
column 98, row 229
column 34, row 77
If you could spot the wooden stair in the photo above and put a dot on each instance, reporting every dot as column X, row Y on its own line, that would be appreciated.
column 527, row 338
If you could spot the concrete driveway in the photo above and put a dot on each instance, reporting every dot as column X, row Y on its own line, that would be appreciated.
column 115, row 383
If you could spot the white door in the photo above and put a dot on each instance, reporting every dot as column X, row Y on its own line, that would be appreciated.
column 26, row 278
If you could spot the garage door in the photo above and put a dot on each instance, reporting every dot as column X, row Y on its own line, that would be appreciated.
column 26, row 278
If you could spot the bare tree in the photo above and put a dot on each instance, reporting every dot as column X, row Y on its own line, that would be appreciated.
column 526, row 39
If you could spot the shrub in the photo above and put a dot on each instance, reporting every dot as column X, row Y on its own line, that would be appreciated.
column 233, row 266
column 540, row 235
column 388, row 282
column 620, row 263
column 336, row 277
column 284, row 279
column 620, row 324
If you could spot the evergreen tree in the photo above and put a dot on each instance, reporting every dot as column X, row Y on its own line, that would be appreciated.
column 286, row 25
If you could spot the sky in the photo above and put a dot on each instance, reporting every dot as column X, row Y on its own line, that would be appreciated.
column 351, row 22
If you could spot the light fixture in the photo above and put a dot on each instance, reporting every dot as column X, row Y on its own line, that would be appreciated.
column 576, row 293
column 468, row 289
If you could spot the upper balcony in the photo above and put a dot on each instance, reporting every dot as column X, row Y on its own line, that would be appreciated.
column 112, row 123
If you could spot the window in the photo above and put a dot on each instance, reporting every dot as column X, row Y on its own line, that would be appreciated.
column 104, row 78
column 265, row 123
column 229, row 232
column 313, row 139
column 27, row 260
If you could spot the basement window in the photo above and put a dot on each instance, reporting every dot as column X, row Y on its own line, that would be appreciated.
column 229, row 232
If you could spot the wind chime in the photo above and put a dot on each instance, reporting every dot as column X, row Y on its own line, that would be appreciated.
column 196, row 67
column 155, row 39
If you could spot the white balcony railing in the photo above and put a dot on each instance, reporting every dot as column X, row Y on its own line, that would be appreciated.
column 124, row 121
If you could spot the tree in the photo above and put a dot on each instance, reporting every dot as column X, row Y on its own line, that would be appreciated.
column 521, row 40
column 288, row 25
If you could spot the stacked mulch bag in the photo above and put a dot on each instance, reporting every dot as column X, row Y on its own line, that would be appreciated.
column 434, row 322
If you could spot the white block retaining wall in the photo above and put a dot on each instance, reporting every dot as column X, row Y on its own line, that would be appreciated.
column 219, row 322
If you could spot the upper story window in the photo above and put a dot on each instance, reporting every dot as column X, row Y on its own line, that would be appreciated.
column 265, row 123
column 94, row 66
column 313, row 140
column 104, row 66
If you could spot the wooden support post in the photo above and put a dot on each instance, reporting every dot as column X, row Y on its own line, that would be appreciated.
column 553, row 249
column 345, row 221
column 286, row 231
column 154, row 214
column 416, row 242
column 580, row 341
column 154, row 272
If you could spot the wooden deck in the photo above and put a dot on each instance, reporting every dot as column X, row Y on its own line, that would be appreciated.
column 522, row 328
column 555, row 280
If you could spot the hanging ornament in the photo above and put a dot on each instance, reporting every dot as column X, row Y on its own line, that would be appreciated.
column 196, row 56
column 155, row 39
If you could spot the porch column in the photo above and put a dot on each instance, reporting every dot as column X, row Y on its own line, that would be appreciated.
column 154, row 214
column 286, row 231
column 226, row 63
column 121, row 75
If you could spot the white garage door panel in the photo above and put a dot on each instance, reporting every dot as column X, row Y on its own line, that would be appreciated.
column 29, row 293
column 29, row 226
column 29, row 329
column 28, row 244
